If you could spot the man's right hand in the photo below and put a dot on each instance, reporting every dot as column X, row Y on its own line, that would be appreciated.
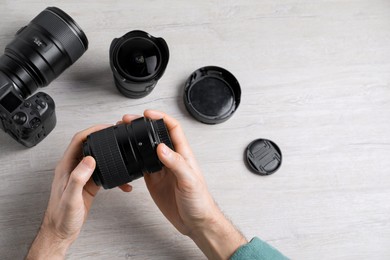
column 181, row 193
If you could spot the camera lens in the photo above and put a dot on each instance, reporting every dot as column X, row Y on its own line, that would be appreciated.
column 138, row 60
column 125, row 152
column 42, row 50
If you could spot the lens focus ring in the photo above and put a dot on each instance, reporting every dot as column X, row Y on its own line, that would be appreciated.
column 108, row 157
column 163, row 134
column 58, row 27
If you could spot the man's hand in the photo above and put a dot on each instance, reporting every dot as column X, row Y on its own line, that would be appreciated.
column 181, row 193
column 71, row 197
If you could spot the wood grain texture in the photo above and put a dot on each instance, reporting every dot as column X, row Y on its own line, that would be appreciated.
column 315, row 79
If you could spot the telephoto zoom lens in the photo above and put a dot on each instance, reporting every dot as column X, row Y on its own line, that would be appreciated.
column 125, row 152
column 42, row 50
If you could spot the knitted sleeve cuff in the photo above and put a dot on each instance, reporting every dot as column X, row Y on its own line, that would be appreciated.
column 257, row 249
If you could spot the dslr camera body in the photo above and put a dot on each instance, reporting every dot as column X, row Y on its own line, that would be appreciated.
column 38, row 54
column 28, row 121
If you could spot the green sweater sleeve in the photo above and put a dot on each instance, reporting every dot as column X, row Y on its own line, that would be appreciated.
column 257, row 250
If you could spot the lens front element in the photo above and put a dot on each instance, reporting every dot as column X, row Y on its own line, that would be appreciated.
column 139, row 58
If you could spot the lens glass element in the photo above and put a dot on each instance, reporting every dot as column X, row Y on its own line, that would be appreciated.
column 139, row 58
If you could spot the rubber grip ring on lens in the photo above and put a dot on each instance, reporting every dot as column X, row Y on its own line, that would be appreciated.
column 163, row 134
column 109, row 159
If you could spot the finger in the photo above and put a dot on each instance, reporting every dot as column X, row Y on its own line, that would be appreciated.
column 119, row 122
column 80, row 176
column 174, row 162
column 126, row 187
column 155, row 178
column 73, row 153
column 91, row 188
column 128, row 118
column 176, row 133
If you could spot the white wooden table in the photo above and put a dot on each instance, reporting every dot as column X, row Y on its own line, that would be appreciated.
column 315, row 78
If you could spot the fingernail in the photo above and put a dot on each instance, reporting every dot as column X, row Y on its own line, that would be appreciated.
column 88, row 162
column 155, row 113
column 165, row 150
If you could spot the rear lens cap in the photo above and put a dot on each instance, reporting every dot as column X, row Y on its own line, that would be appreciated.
column 212, row 94
column 263, row 156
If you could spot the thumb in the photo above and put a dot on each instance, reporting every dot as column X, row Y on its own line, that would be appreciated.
column 80, row 175
column 174, row 162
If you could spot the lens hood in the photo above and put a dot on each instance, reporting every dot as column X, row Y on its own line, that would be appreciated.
column 138, row 60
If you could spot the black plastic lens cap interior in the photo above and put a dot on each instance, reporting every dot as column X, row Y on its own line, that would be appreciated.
column 263, row 156
column 212, row 94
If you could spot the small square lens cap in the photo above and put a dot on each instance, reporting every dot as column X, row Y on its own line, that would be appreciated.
column 212, row 94
column 263, row 156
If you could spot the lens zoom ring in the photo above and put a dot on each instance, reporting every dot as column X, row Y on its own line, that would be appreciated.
column 163, row 134
column 62, row 32
column 109, row 159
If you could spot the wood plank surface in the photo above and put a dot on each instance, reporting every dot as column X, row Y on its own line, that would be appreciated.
column 315, row 79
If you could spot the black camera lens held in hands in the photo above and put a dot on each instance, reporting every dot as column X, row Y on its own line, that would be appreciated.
column 125, row 152
column 38, row 54
column 138, row 60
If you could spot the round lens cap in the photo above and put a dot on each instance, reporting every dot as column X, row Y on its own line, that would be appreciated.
column 212, row 94
column 263, row 156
